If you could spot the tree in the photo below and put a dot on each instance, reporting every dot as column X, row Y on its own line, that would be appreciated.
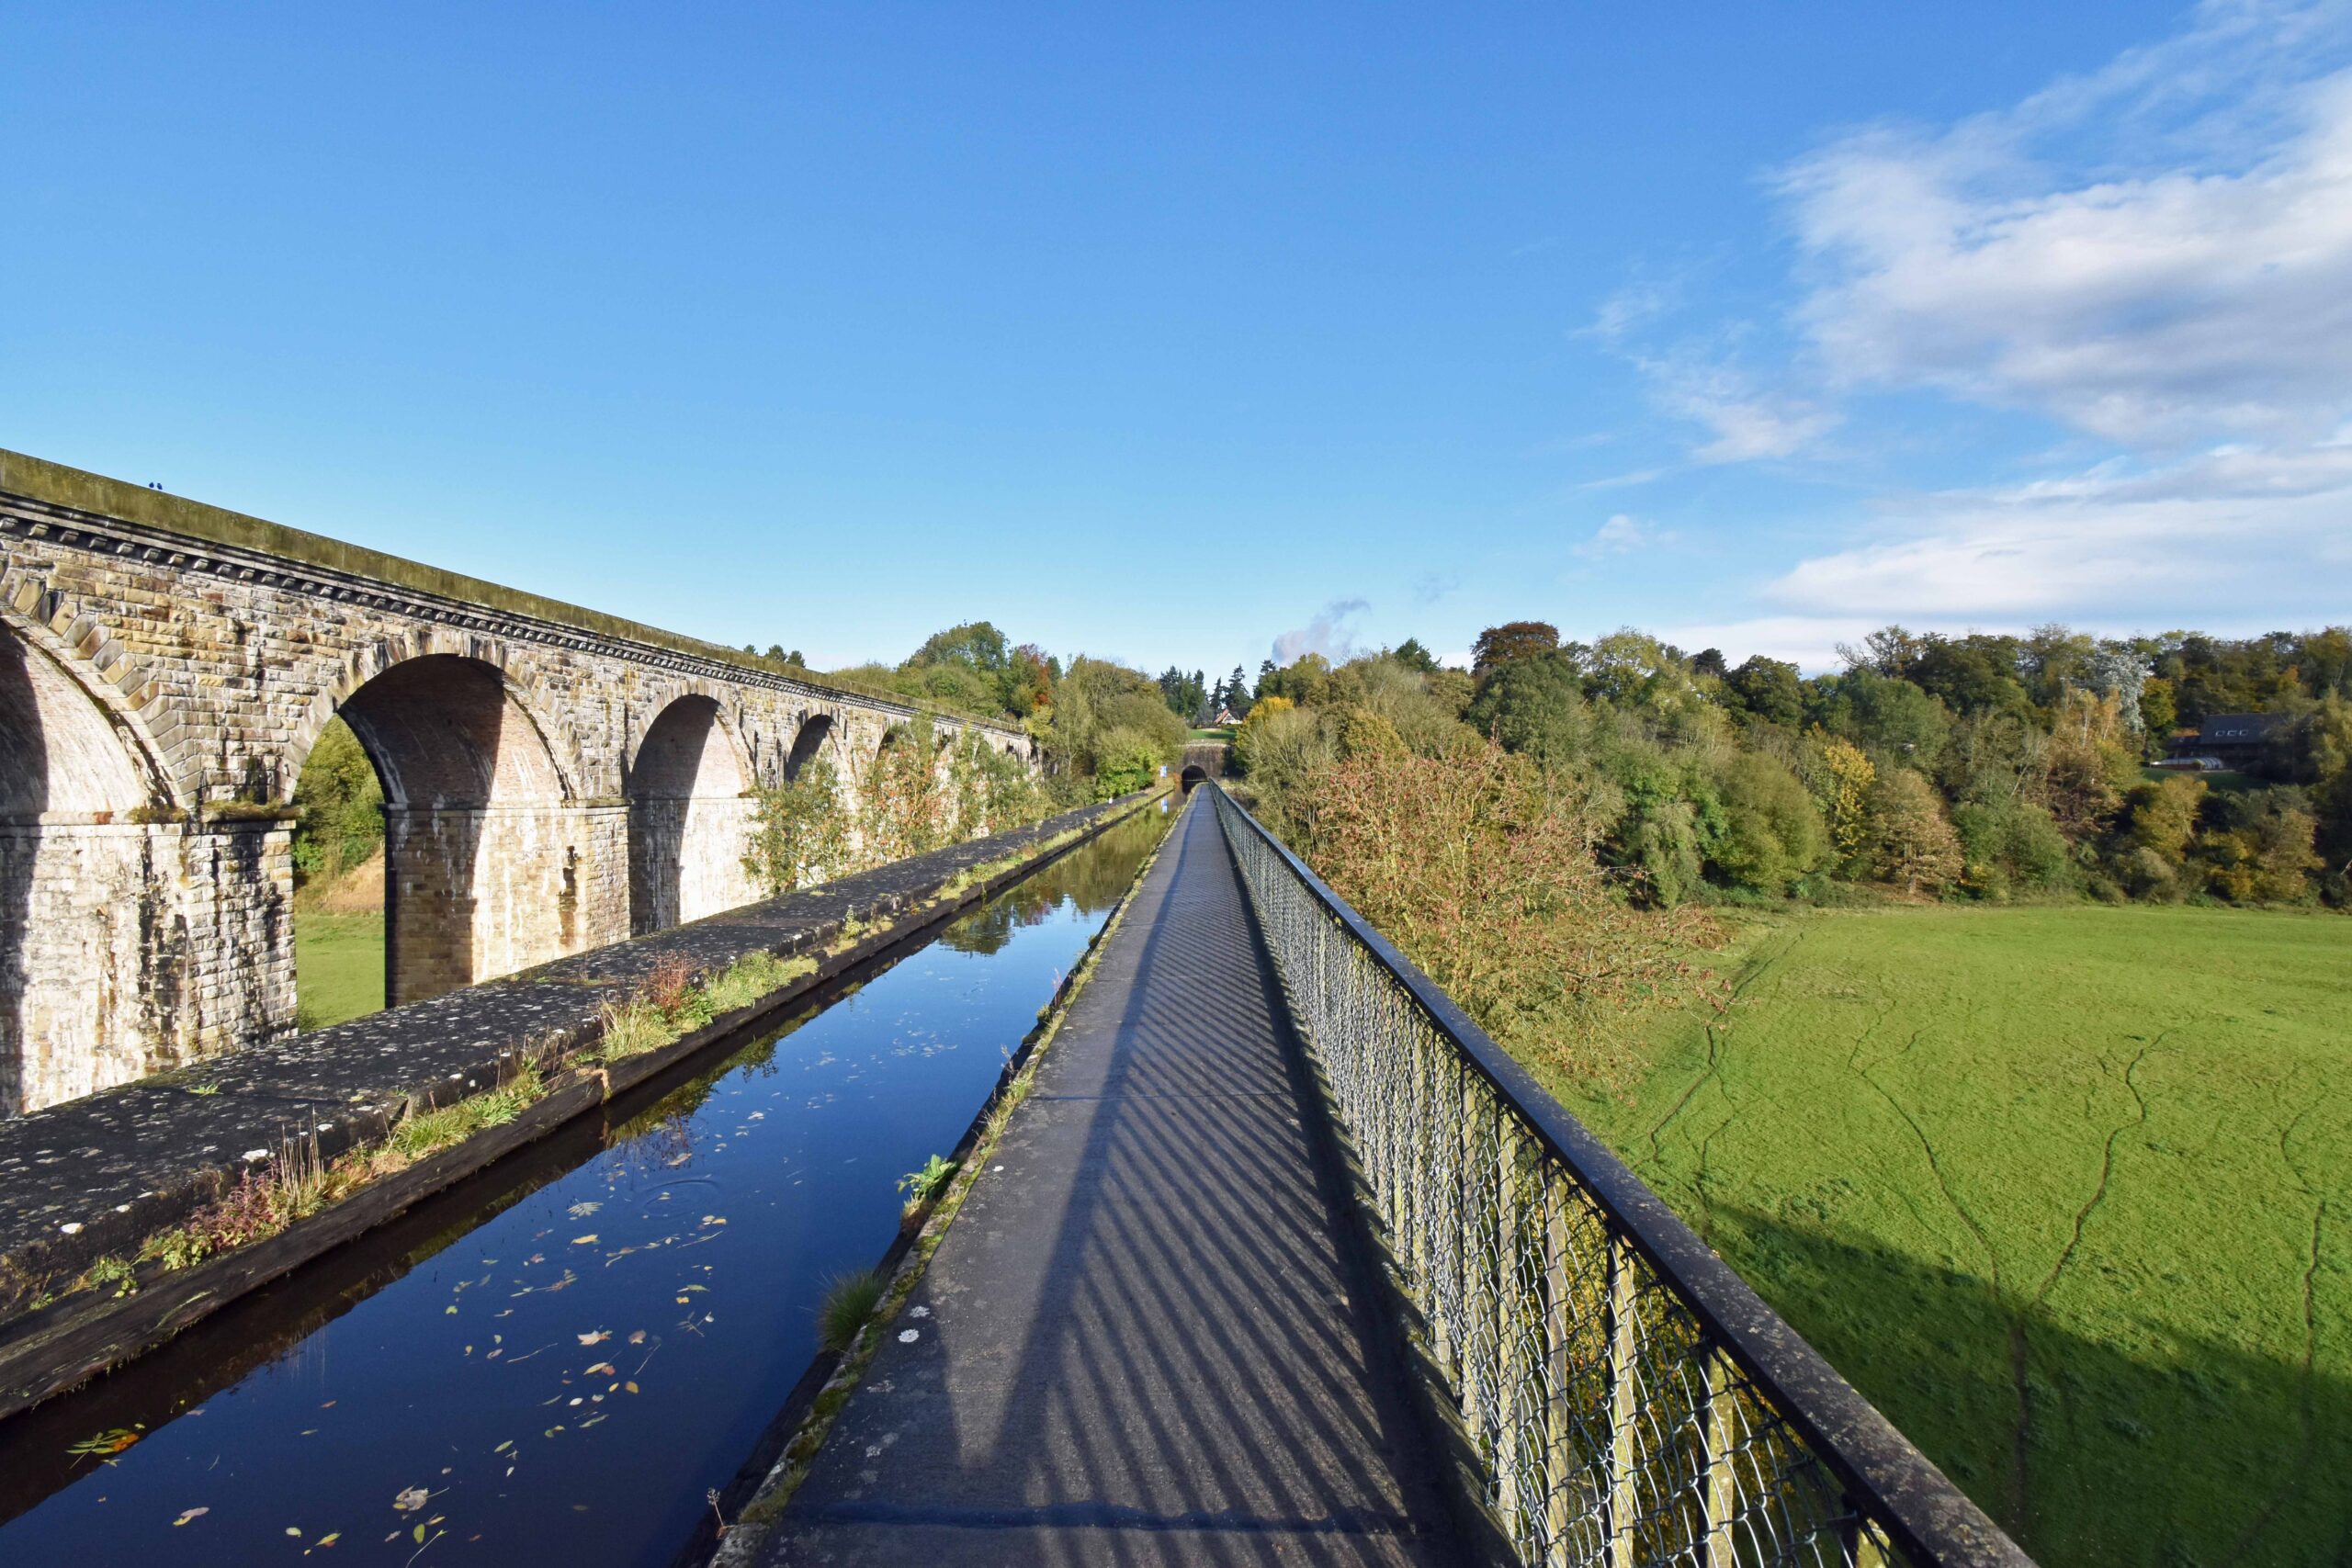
column 1497, row 646
column 1413, row 656
column 1107, row 715
column 1848, row 777
column 1972, row 674
column 1912, row 841
column 2090, row 763
column 340, row 804
column 1889, row 718
column 1236, row 695
column 1709, row 661
column 1768, row 689
column 1183, row 694
column 976, row 645
column 1533, row 707
column 1028, row 681
column 1302, row 679
column 2159, row 711
column 1772, row 834
column 1890, row 652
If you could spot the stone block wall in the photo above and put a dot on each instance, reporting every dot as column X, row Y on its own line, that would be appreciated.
column 128, row 948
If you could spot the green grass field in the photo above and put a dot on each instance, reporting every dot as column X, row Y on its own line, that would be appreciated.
column 338, row 965
column 2065, row 1191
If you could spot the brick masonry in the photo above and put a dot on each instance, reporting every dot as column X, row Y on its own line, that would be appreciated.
column 555, row 779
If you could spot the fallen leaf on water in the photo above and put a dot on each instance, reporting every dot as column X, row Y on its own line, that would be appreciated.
column 419, row 1534
column 596, row 1338
column 583, row 1240
column 191, row 1514
column 409, row 1501
column 605, row 1366
column 638, row 1337
column 583, row 1210
column 630, row 1386
column 291, row 1530
column 330, row 1538
column 113, row 1441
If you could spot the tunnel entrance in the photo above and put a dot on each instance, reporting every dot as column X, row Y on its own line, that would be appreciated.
column 1192, row 775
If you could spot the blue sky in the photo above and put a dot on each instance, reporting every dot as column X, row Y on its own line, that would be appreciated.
column 1176, row 335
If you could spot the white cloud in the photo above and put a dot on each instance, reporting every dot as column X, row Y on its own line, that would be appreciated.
column 1328, row 634
column 1635, row 305
column 1748, row 422
column 2158, row 255
column 2234, row 528
column 1625, row 481
column 1621, row 535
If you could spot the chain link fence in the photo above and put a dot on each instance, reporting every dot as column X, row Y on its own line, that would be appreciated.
column 1629, row 1399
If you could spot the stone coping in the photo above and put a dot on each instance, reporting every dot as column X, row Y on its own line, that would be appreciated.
column 99, row 1175
column 55, row 484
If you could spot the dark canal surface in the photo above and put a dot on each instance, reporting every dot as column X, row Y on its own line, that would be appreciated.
column 558, row 1361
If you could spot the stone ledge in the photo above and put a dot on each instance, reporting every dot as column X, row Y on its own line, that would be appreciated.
column 99, row 1176
column 56, row 485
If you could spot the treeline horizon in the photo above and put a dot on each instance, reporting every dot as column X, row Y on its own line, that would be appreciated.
column 1984, row 766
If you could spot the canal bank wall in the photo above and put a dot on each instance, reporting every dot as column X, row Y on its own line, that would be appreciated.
column 86, row 1186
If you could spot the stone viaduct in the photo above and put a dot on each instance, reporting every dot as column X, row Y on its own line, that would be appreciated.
column 554, row 778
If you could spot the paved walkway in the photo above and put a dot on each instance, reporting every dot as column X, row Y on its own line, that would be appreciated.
column 1142, row 1341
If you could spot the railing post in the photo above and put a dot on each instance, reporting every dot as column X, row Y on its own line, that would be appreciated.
column 1623, row 1348
column 1511, row 1370
column 1559, row 1413
column 1721, row 1437
column 1467, row 1192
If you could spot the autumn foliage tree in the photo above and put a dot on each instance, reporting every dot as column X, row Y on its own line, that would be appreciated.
column 1912, row 841
column 1480, row 864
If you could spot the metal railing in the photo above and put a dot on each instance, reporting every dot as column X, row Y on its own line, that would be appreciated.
column 1630, row 1400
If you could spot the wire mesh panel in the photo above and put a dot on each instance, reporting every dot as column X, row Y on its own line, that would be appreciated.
column 1630, row 1402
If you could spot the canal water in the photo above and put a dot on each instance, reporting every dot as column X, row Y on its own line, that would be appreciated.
column 560, row 1360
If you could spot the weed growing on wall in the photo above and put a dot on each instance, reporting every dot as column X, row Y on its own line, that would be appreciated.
column 800, row 831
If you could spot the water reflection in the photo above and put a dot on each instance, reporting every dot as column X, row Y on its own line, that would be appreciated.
column 560, row 1360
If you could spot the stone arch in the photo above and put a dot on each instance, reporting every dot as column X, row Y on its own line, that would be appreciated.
column 86, row 653
column 483, row 863
column 687, row 786
column 384, row 654
column 817, row 731
column 92, row 940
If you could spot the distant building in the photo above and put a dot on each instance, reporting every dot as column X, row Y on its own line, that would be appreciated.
column 1225, row 719
column 2231, row 739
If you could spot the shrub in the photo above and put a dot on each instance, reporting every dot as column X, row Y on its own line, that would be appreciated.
column 799, row 831
column 1772, row 834
column 1480, row 866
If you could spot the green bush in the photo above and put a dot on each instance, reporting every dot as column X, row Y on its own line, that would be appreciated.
column 1772, row 835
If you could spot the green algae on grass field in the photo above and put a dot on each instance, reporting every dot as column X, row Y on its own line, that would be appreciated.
column 2065, row 1191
